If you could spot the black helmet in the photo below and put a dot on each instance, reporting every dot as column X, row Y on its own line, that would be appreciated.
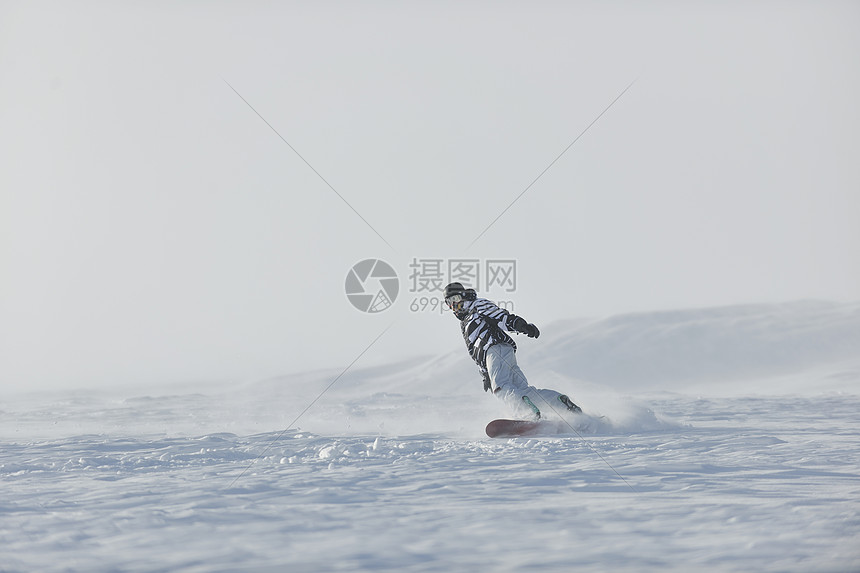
column 454, row 288
column 456, row 297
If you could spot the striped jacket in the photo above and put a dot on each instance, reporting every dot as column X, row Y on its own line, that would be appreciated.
column 485, row 325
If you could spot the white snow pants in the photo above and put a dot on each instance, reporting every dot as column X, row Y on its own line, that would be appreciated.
column 510, row 384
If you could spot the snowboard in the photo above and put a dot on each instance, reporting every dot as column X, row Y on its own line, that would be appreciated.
column 511, row 428
column 582, row 423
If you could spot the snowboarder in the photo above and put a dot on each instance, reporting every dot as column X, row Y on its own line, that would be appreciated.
column 483, row 325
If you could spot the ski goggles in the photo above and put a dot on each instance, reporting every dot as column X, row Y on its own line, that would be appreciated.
column 455, row 302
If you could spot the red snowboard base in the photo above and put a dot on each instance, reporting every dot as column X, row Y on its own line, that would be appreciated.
column 581, row 423
column 511, row 428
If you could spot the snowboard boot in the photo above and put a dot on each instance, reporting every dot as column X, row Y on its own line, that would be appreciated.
column 569, row 404
column 531, row 405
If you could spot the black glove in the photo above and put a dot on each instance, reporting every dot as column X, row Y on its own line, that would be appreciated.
column 487, row 383
column 519, row 324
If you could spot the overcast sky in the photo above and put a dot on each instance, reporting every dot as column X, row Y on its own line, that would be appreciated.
column 154, row 229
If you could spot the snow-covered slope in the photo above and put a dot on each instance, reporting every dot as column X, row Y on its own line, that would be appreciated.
column 730, row 444
column 610, row 366
column 675, row 350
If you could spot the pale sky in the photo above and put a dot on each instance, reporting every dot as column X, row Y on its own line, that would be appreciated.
column 155, row 230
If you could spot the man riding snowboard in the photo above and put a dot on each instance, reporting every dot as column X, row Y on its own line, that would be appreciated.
column 483, row 325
